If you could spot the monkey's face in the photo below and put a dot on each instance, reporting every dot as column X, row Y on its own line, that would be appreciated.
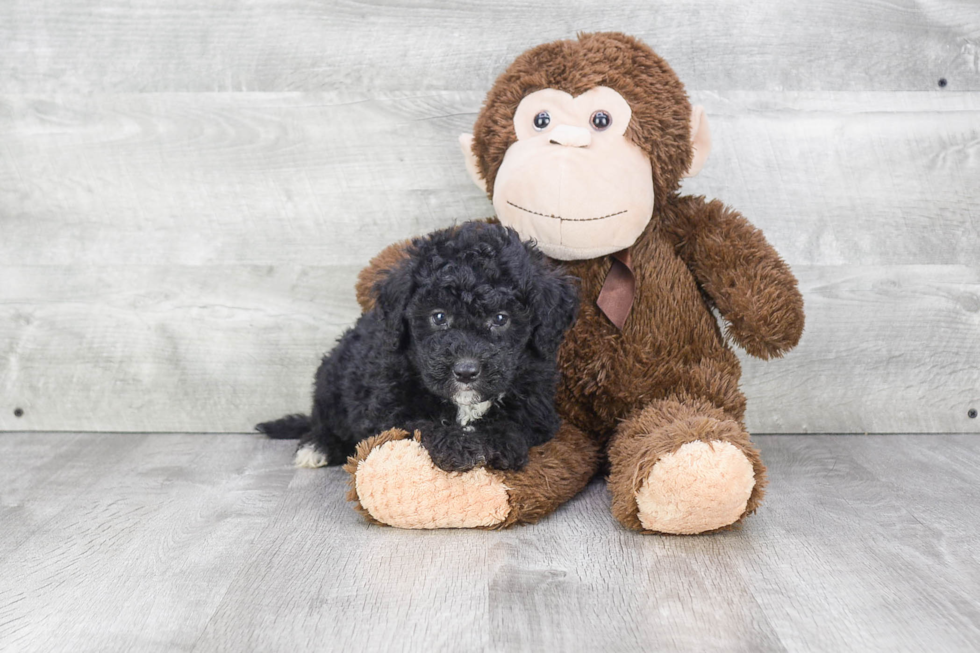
column 573, row 181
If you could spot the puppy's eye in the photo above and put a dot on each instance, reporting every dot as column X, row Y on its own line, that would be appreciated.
column 439, row 319
column 499, row 320
column 601, row 120
column 542, row 120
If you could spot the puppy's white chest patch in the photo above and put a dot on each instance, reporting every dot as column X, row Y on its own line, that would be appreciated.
column 468, row 413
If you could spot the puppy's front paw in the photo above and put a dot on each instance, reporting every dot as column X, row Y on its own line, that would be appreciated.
column 456, row 455
column 512, row 460
column 450, row 448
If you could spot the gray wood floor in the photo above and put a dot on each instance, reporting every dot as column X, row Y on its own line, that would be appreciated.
column 151, row 542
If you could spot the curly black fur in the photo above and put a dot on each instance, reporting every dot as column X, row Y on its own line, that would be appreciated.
column 461, row 346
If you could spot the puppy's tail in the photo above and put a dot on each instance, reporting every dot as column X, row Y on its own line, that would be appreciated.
column 290, row 427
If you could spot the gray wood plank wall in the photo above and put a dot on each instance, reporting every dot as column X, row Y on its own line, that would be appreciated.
column 188, row 190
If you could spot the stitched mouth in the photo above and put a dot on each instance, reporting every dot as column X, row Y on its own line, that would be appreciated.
column 558, row 217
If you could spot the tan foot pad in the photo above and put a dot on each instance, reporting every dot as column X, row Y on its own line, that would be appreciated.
column 399, row 486
column 700, row 487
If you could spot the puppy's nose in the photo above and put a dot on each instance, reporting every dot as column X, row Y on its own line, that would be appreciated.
column 466, row 370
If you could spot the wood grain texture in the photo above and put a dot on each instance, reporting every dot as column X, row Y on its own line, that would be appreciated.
column 850, row 178
column 886, row 349
column 136, row 556
column 166, row 348
column 304, row 45
column 846, row 178
column 227, row 178
column 187, row 191
column 851, row 516
column 213, row 348
column 214, row 543
column 36, row 478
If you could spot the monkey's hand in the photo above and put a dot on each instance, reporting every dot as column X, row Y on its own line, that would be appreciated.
column 749, row 283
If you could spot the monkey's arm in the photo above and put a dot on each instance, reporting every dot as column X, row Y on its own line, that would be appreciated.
column 386, row 259
column 750, row 284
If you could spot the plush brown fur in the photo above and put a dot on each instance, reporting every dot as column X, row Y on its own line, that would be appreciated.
column 556, row 471
column 677, row 420
column 669, row 377
column 385, row 260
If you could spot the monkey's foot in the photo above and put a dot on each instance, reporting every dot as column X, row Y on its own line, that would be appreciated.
column 683, row 467
column 703, row 486
column 394, row 482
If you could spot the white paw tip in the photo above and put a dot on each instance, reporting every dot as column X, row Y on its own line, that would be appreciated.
column 309, row 457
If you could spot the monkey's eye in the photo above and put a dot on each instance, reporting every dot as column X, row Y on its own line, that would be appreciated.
column 600, row 120
column 499, row 320
column 439, row 319
column 542, row 120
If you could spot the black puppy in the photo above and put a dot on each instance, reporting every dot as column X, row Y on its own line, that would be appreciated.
column 460, row 346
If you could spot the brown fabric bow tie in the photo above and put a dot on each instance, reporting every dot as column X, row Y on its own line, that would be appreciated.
column 616, row 297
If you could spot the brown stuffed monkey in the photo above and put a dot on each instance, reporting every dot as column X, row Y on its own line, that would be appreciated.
column 581, row 145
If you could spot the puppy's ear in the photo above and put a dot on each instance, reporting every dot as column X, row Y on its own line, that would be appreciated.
column 554, row 302
column 393, row 292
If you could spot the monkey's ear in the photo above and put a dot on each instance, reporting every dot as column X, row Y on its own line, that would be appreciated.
column 466, row 144
column 700, row 140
